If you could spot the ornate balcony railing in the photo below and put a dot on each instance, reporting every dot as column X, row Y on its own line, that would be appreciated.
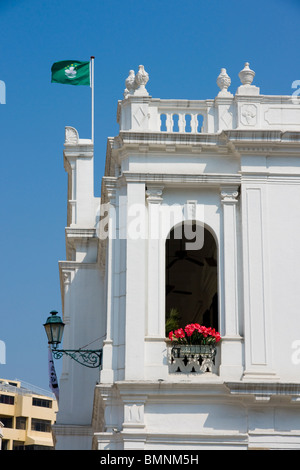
column 192, row 358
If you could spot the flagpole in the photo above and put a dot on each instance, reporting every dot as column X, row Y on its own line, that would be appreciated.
column 92, row 87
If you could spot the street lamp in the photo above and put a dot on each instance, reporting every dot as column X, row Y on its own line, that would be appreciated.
column 54, row 328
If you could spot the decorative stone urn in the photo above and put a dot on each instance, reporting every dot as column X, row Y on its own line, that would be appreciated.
column 246, row 75
column 223, row 82
column 141, row 80
column 130, row 84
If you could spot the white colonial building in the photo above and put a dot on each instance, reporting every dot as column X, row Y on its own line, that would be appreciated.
column 226, row 171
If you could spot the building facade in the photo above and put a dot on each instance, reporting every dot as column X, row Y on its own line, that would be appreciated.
column 1, row 435
column 199, row 215
column 26, row 416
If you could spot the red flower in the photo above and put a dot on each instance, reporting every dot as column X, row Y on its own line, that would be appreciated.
column 204, row 331
column 179, row 333
column 218, row 337
column 189, row 329
column 196, row 334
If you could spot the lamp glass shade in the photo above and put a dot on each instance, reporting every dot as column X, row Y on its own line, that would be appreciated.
column 54, row 328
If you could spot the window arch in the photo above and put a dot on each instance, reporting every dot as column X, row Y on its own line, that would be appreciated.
column 191, row 277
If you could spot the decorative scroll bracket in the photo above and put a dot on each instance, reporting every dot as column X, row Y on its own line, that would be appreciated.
column 85, row 357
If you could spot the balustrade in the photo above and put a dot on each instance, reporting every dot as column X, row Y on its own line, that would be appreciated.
column 181, row 122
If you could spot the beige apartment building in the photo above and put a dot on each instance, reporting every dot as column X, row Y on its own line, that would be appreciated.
column 1, row 426
column 27, row 416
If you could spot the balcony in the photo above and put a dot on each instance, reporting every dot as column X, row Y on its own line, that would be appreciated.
column 196, row 360
column 247, row 109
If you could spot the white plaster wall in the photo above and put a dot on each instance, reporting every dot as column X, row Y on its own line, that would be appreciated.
column 73, row 440
column 177, row 162
column 85, row 323
column 208, row 207
column 83, row 296
column 284, row 274
column 192, row 418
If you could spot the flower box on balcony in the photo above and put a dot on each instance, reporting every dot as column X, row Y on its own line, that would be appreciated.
column 190, row 350
column 194, row 349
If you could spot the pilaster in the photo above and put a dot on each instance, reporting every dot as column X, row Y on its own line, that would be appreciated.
column 258, row 353
column 154, row 200
column 232, row 361
column 135, row 282
column 107, row 372
column 155, row 336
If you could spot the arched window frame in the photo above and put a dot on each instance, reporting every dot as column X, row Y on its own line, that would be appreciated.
column 204, row 226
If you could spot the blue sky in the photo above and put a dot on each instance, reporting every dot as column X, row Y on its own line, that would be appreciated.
column 182, row 44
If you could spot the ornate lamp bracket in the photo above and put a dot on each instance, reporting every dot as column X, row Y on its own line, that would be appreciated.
column 85, row 357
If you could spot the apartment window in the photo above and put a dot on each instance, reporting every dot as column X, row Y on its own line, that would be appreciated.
column 20, row 422
column 18, row 445
column 7, row 399
column 41, row 425
column 7, row 421
column 41, row 402
column 5, row 443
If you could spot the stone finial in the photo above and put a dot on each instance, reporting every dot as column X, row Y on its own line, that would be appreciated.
column 246, row 75
column 130, row 84
column 141, row 80
column 223, row 82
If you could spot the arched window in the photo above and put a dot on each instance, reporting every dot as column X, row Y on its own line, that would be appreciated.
column 191, row 279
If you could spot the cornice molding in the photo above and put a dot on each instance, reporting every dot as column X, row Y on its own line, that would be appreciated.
column 229, row 142
column 175, row 389
column 77, row 232
column 157, row 179
column 265, row 389
column 267, row 142
column 83, row 151
column 74, row 265
column 130, row 138
column 266, row 177
column 75, row 235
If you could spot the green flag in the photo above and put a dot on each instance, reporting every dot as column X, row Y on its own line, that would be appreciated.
column 71, row 72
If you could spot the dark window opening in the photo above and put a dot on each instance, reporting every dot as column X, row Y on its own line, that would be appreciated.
column 41, row 402
column 7, row 399
column 191, row 279
column 21, row 422
column 41, row 425
column 7, row 421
